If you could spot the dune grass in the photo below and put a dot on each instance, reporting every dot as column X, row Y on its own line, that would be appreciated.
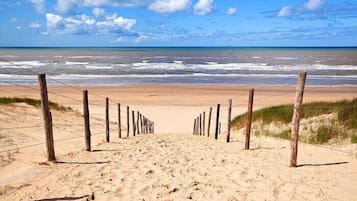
column 33, row 102
column 346, row 110
column 346, row 118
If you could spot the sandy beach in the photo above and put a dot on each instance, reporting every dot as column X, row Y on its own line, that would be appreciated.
column 171, row 164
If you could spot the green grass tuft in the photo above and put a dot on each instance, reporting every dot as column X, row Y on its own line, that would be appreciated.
column 33, row 102
column 284, row 135
column 354, row 138
column 324, row 134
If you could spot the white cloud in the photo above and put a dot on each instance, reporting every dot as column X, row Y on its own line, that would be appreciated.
column 66, row 6
column 79, row 24
column 18, row 27
column 285, row 11
column 314, row 5
column 39, row 5
column 52, row 20
column 169, row 6
column 309, row 6
column 98, row 12
column 35, row 25
column 231, row 11
column 203, row 7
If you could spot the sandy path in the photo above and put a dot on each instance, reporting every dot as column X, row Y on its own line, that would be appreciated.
column 185, row 167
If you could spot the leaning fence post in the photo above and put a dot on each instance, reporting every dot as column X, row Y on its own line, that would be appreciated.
column 296, row 117
column 133, row 118
column 86, row 121
column 209, row 121
column 107, row 119
column 119, row 121
column 217, row 121
column 229, row 119
column 249, row 119
column 47, row 117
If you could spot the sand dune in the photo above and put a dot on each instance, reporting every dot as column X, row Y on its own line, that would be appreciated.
column 164, row 166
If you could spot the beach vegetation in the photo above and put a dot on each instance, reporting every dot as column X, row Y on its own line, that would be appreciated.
column 354, row 138
column 32, row 102
column 339, row 124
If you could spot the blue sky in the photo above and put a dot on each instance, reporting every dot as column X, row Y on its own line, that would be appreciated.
column 178, row 23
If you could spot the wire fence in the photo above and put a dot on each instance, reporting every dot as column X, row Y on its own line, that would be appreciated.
column 98, row 114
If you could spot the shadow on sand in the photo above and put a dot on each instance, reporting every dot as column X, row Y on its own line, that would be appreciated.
column 322, row 164
column 82, row 163
column 64, row 198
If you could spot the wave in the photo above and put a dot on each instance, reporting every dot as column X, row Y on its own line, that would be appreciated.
column 76, row 63
column 98, row 67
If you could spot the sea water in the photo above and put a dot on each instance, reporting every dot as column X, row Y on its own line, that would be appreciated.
column 179, row 65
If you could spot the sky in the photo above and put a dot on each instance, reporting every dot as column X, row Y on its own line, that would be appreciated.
column 121, row 23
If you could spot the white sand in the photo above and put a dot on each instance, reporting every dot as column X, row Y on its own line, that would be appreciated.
column 164, row 166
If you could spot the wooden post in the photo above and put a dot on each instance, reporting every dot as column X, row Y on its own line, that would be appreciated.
column 119, row 121
column 127, row 121
column 296, row 117
column 144, row 125
column 217, row 121
column 86, row 121
column 133, row 117
column 249, row 119
column 229, row 119
column 194, row 126
column 200, row 124
column 137, row 122
column 204, row 123
column 107, row 119
column 141, row 124
column 209, row 121
column 47, row 118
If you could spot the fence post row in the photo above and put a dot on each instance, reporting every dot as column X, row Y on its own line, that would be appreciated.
column 249, row 119
column 296, row 117
column 87, row 133
column 217, row 121
column 47, row 118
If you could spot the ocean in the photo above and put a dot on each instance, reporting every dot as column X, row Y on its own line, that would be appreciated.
column 179, row 65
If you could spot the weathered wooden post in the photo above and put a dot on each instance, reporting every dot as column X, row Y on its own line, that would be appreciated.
column 141, row 124
column 107, row 119
column 249, row 119
column 127, row 121
column 137, row 122
column 217, row 121
column 296, row 117
column 119, row 121
column 47, row 118
column 209, row 121
column 87, row 133
column 194, row 127
column 204, row 124
column 200, row 124
column 229, row 119
column 133, row 117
